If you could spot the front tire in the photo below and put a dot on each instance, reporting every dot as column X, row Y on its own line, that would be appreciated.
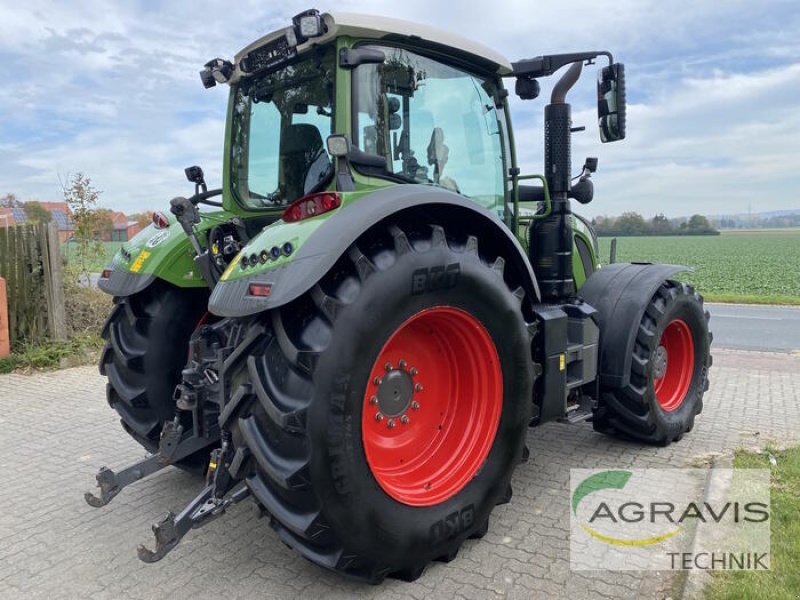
column 669, row 371
column 408, row 317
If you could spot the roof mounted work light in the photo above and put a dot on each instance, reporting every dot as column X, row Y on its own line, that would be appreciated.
column 216, row 71
column 308, row 24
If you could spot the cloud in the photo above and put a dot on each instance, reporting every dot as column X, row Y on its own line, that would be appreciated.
column 112, row 90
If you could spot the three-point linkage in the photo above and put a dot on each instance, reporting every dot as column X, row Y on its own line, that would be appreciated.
column 173, row 446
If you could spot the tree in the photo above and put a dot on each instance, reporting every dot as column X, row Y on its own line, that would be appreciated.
column 660, row 225
column 104, row 223
column 81, row 197
column 698, row 223
column 9, row 201
column 631, row 223
column 142, row 219
column 35, row 213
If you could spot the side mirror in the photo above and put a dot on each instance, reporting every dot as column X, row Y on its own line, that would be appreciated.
column 611, row 103
column 350, row 58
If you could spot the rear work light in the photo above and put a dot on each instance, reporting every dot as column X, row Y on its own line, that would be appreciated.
column 311, row 206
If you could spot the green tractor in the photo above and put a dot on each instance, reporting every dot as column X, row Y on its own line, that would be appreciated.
column 379, row 304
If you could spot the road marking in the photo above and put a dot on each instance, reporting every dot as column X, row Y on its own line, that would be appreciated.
column 718, row 316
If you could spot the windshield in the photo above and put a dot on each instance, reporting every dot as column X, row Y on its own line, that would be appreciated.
column 280, row 121
column 433, row 123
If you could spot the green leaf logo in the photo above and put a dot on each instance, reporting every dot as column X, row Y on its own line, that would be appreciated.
column 599, row 481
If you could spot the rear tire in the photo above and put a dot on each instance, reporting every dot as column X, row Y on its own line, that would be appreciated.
column 147, row 337
column 669, row 371
column 303, row 404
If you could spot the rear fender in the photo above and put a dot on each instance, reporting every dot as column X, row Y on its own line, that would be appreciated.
column 620, row 293
column 320, row 241
column 158, row 254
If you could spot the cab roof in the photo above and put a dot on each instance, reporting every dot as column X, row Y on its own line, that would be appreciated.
column 397, row 30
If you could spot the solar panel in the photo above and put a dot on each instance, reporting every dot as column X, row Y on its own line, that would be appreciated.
column 19, row 215
column 61, row 219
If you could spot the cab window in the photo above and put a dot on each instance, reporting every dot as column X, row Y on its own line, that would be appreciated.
column 435, row 124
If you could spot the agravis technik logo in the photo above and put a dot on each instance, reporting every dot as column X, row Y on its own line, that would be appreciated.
column 669, row 519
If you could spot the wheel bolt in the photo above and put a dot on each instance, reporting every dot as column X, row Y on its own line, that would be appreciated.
column 388, row 366
column 415, row 405
column 377, row 380
column 418, row 387
column 390, row 423
column 403, row 364
column 413, row 371
column 404, row 419
column 378, row 417
column 373, row 400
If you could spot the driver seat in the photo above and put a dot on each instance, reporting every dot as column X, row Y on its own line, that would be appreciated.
column 301, row 145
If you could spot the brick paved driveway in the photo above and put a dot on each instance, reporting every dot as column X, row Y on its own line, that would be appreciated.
column 56, row 431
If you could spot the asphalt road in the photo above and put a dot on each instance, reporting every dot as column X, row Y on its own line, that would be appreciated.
column 750, row 327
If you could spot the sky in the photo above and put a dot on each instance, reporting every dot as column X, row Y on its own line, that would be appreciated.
column 111, row 89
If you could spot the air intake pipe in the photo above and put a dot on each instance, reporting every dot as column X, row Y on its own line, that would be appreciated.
column 551, row 238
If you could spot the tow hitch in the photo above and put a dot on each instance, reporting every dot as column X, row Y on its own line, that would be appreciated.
column 221, row 493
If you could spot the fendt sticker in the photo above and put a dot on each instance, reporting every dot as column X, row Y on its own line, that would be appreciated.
column 157, row 238
column 139, row 262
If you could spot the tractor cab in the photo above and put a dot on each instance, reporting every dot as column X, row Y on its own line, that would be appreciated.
column 414, row 106
column 347, row 104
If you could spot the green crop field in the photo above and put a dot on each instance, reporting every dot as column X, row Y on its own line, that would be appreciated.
column 761, row 266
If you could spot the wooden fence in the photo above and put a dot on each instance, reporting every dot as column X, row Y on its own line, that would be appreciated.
column 31, row 263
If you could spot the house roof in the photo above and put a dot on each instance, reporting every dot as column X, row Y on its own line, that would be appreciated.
column 120, row 220
column 7, row 217
column 59, row 210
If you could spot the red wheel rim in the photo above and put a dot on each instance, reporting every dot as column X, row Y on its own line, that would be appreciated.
column 674, row 365
column 432, row 406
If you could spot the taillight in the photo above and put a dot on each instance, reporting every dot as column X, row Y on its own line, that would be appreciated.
column 160, row 220
column 259, row 290
column 311, row 206
column 105, row 274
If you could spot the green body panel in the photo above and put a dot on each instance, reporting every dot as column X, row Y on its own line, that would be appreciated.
column 166, row 253
column 580, row 230
column 282, row 232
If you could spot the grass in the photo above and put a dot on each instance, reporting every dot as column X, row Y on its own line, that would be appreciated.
column 752, row 266
column 86, row 309
column 79, row 350
column 783, row 580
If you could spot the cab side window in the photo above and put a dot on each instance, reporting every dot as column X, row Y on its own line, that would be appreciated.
column 433, row 123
